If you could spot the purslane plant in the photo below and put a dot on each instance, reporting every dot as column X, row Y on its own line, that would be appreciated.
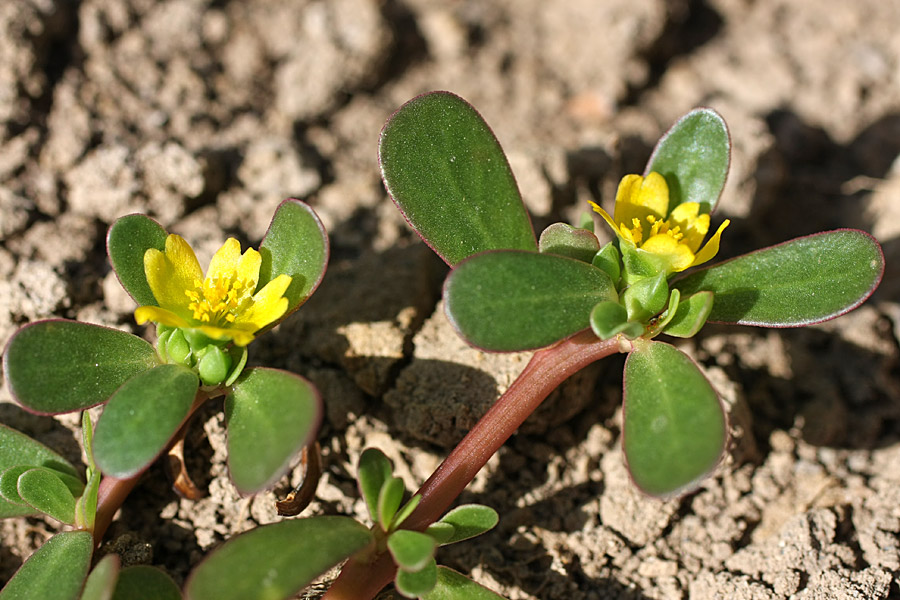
column 246, row 566
column 204, row 324
column 576, row 301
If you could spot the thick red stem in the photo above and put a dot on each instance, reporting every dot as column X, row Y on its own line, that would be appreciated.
column 546, row 370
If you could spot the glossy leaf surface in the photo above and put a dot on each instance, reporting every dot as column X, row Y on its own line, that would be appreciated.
column 17, row 449
column 127, row 241
column 455, row 586
column 55, row 571
column 143, row 582
column 389, row 499
column 513, row 300
column 691, row 315
column 468, row 521
column 270, row 416
column 142, row 417
column 46, row 492
column 275, row 561
column 694, row 156
column 446, row 172
column 414, row 584
column 296, row 244
column 803, row 281
column 373, row 471
column 674, row 424
column 565, row 240
column 62, row 366
column 101, row 583
column 411, row 550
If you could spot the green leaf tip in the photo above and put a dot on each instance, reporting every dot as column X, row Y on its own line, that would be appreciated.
column 127, row 240
column 694, row 156
column 800, row 282
column 675, row 427
column 446, row 172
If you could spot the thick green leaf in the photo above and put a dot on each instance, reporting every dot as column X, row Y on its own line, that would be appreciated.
column 389, row 499
column 373, row 470
column 17, row 449
column 468, row 521
column 609, row 261
column 674, row 424
column 646, row 297
column 61, row 366
column 513, row 300
column 690, row 315
column 414, row 584
column 404, row 513
column 101, row 583
column 455, row 586
column 694, row 156
column 440, row 532
column 609, row 319
column 86, row 507
column 565, row 240
column 56, row 571
column 141, row 418
column 296, row 244
column 271, row 415
column 143, row 582
column 275, row 561
column 803, row 281
column 411, row 550
column 446, row 172
column 127, row 241
column 45, row 491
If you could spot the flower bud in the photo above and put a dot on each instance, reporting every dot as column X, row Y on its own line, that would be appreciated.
column 214, row 366
column 178, row 349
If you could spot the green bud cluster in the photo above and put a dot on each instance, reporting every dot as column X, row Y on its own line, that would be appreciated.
column 214, row 361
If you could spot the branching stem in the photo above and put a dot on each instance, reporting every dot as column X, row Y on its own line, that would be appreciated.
column 546, row 370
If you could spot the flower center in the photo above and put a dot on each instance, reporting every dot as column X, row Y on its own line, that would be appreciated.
column 214, row 299
column 656, row 227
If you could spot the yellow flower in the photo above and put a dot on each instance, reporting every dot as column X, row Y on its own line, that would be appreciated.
column 223, row 305
column 643, row 221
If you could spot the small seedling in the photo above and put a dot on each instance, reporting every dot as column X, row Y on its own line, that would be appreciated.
column 276, row 561
column 204, row 323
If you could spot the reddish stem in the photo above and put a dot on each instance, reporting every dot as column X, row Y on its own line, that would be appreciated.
column 112, row 492
column 546, row 370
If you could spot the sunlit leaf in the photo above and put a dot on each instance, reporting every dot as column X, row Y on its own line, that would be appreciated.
column 142, row 417
column 565, row 240
column 45, row 491
column 411, row 550
column 803, row 281
column 270, row 416
column 127, row 241
column 56, row 570
column 446, row 172
column 373, row 470
column 694, row 156
column 61, row 366
column 389, row 499
column 513, row 300
column 455, row 586
column 691, row 314
column 296, row 244
column 468, row 521
column 674, row 423
column 273, row 562
column 414, row 584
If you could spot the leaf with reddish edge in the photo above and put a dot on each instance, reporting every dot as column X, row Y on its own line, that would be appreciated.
column 296, row 244
column 59, row 366
column 127, row 240
column 510, row 300
column 446, row 172
column 56, row 571
column 141, row 418
column 694, row 156
column 276, row 561
column 675, row 430
column 270, row 416
column 800, row 282
column 45, row 491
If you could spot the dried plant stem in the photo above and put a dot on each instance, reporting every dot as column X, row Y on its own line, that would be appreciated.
column 547, row 369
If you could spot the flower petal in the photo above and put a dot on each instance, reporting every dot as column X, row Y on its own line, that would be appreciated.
column 639, row 197
column 248, row 269
column 170, row 274
column 158, row 315
column 224, row 262
column 712, row 246
column 241, row 336
column 609, row 220
column 692, row 224
column 678, row 255
column 268, row 305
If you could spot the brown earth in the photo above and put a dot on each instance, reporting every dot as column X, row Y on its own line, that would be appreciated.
column 205, row 114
